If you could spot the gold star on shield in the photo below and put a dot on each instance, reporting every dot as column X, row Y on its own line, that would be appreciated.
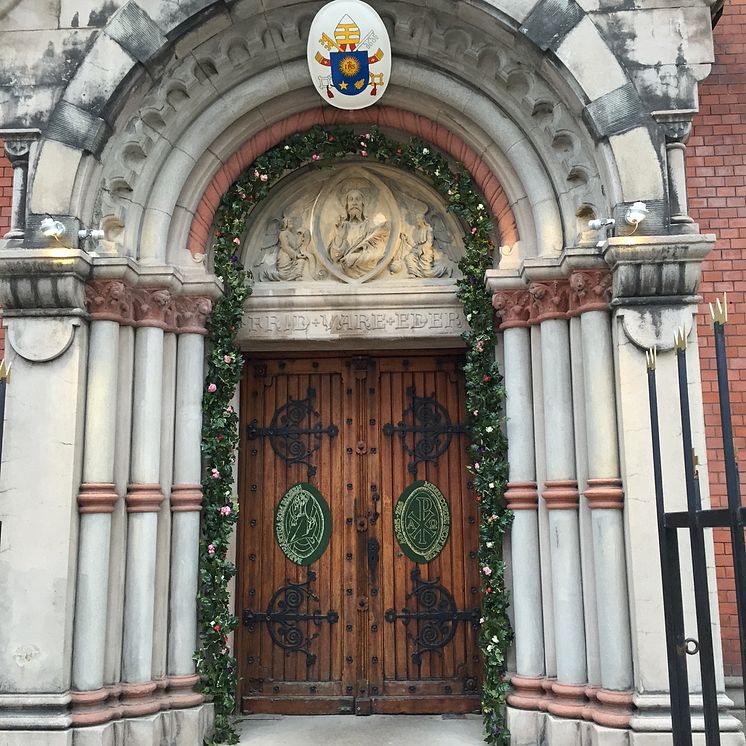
column 343, row 86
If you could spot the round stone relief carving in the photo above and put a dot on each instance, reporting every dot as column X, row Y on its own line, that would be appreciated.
column 422, row 521
column 303, row 524
column 354, row 224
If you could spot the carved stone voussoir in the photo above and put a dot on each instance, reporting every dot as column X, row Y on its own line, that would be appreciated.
column 192, row 313
column 513, row 307
column 590, row 290
column 109, row 300
column 549, row 300
column 151, row 307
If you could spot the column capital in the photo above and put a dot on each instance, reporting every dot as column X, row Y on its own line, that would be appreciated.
column 522, row 496
column 590, row 290
column 109, row 300
column 186, row 497
column 97, row 497
column 549, row 300
column 192, row 312
column 17, row 145
column 513, row 308
column 151, row 307
column 604, row 493
column 144, row 498
column 561, row 494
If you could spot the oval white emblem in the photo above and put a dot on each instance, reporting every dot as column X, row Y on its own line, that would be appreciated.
column 349, row 54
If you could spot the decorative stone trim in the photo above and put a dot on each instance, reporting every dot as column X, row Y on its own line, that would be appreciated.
column 181, row 691
column 115, row 706
column 561, row 494
column 522, row 496
column 569, row 700
column 161, row 684
column 144, row 498
column 613, row 708
column 528, row 693
column 151, row 307
column 513, row 307
column 604, row 493
column 109, row 300
column 549, row 300
column 97, row 497
column 192, row 313
column 590, row 290
column 138, row 699
column 89, row 708
column 186, row 498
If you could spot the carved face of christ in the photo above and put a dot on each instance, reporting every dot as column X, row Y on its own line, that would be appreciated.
column 354, row 205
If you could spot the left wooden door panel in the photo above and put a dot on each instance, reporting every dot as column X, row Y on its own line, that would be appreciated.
column 293, row 643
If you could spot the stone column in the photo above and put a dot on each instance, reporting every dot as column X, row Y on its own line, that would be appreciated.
column 17, row 147
column 549, row 309
column 109, row 304
column 676, row 129
column 144, row 498
column 590, row 295
column 186, row 500
column 522, row 497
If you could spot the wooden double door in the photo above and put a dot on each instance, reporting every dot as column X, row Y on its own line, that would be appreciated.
column 358, row 587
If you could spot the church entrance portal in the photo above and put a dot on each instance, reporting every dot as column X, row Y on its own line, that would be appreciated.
column 358, row 581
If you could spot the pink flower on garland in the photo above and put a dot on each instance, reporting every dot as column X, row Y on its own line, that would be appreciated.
column 227, row 359
column 264, row 177
column 212, row 388
column 215, row 473
column 211, row 549
column 487, row 570
column 364, row 153
column 315, row 157
column 473, row 231
column 236, row 240
column 225, row 510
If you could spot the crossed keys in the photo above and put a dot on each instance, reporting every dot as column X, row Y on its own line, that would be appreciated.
column 329, row 44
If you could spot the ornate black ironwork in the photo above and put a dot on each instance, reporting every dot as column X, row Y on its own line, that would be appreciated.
column 436, row 616
column 430, row 428
column 284, row 614
column 295, row 431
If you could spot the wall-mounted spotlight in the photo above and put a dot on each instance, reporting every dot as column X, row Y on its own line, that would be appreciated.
column 636, row 214
column 95, row 233
column 51, row 228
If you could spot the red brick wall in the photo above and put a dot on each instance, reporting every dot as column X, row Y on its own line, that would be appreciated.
column 716, row 167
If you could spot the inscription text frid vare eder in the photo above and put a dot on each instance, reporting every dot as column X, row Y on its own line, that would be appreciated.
column 324, row 322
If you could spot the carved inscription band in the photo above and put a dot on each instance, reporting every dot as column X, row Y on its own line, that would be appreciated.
column 586, row 290
column 113, row 300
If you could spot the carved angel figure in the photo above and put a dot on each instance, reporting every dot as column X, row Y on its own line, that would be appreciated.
column 420, row 252
column 288, row 255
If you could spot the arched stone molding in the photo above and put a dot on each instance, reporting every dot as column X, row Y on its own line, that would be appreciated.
column 544, row 100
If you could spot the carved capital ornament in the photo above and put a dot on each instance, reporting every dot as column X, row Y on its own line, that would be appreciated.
column 590, row 290
column 513, row 308
column 549, row 300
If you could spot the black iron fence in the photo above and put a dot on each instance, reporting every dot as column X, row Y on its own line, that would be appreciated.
column 696, row 520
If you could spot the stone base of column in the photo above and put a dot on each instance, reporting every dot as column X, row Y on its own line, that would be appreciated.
column 139, row 699
column 144, row 498
column 612, row 709
column 161, row 685
column 604, row 494
column 90, row 708
column 569, row 700
column 561, row 494
column 186, row 497
column 521, row 496
column 181, row 691
column 97, row 497
column 528, row 692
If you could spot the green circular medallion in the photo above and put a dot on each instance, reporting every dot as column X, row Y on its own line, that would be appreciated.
column 422, row 521
column 303, row 524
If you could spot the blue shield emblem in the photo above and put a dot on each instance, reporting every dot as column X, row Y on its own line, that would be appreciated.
column 350, row 72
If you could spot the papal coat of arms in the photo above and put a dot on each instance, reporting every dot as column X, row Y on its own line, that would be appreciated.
column 349, row 54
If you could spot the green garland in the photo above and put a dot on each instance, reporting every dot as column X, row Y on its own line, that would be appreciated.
column 220, row 423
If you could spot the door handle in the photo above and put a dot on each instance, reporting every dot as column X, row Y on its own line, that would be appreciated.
column 374, row 549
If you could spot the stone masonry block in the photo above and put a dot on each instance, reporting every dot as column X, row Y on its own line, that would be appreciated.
column 550, row 21
column 615, row 112
column 136, row 32
column 103, row 69
column 80, row 129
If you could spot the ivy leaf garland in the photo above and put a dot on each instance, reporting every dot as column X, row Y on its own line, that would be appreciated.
column 220, row 434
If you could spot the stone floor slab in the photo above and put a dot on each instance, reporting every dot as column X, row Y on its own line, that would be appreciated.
column 346, row 730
